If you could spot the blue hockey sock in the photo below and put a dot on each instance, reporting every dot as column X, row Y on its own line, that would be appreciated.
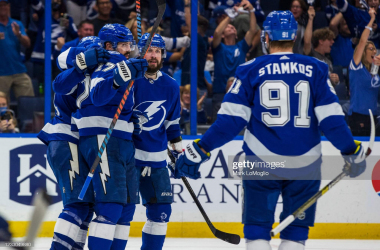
column 103, row 227
column 80, row 241
column 122, row 227
column 153, row 235
column 68, row 225
column 154, row 231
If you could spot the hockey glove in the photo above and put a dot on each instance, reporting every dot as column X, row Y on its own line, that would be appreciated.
column 91, row 58
column 138, row 118
column 176, row 152
column 188, row 163
column 355, row 163
column 128, row 70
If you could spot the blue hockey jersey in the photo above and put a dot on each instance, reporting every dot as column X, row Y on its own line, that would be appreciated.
column 160, row 100
column 59, row 128
column 283, row 99
column 99, row 103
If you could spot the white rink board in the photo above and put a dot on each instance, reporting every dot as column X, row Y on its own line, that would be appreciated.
column 348, row 202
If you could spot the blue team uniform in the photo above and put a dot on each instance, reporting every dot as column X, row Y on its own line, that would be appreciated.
column 67, row 165
column 284, row 100
column 98, row 104
column 160, row 99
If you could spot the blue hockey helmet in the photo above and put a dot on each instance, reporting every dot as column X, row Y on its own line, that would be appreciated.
column 87, row 41
column 157, row 42
column 116, row 33
column 280, row 26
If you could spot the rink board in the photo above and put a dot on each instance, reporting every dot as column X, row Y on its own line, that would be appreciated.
column 349, row 210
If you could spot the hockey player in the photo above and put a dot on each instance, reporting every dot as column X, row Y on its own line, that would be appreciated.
column 115, row 181
column 283, row 99
column 156, row 96
column 71, row 228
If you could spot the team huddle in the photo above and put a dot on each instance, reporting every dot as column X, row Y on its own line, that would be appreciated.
column 282, row 99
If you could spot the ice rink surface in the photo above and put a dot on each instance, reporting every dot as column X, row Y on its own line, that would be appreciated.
column 212, row 244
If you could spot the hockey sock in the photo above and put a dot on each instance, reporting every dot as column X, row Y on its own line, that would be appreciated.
column 80, row 241
column 102, row 229
column 68, row 225
column 258, row 245
column 291, row 245
column 153, row 235
column 154, row 231
column 120, row 238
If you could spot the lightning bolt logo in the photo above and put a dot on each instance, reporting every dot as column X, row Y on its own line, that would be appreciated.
column 105, row 169
column 74, row 163
column 153, row 108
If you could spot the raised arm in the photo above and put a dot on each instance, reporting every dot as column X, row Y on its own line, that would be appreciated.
column 335, row 23
column 219, row 32
column 309, row 31
column 252, row 22
column 364, row 38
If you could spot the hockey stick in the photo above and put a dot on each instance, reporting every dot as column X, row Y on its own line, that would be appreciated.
column 230, row 238
column 324, row 190
column 41, row 202
column 138, row 11
column 161, row 10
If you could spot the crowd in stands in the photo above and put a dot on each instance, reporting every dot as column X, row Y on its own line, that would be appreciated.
column 342, row 33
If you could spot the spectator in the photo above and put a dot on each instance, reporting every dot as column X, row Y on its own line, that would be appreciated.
column 85, row 28
column 202, row 51
column 185, row 105
column 342, row 50
column 12, row 69
column 8, row 122
column 62, row 25
column 299, row 8
column 319, row 45
column 358, row 19
column 104, row 8
column 364, row 86
column 228, row 54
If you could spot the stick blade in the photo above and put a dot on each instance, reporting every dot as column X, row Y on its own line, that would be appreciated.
column 230, row 238
column 372, row 135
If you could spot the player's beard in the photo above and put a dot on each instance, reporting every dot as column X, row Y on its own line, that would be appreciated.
column 151, row 69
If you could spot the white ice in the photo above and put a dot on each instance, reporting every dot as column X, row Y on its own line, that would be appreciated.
column 213, row 244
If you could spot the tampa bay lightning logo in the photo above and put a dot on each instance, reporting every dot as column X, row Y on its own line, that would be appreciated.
column 155, row 111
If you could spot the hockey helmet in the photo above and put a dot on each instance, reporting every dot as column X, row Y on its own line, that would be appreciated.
column 116, row 33
column 280, row 26
column 157, row 42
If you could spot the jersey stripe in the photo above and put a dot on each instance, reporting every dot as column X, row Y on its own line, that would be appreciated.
column 233, row 109
column 325, row 111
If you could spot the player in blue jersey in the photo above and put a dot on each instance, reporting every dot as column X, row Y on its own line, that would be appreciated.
column 115, row 181
column 157, row 97
column 283, row 99
column 71, row 228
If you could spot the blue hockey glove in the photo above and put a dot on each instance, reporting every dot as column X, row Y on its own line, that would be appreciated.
column 188, row 163
column 129, row 70
column 138, row 118
column 355, row 163
column 91, row 58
